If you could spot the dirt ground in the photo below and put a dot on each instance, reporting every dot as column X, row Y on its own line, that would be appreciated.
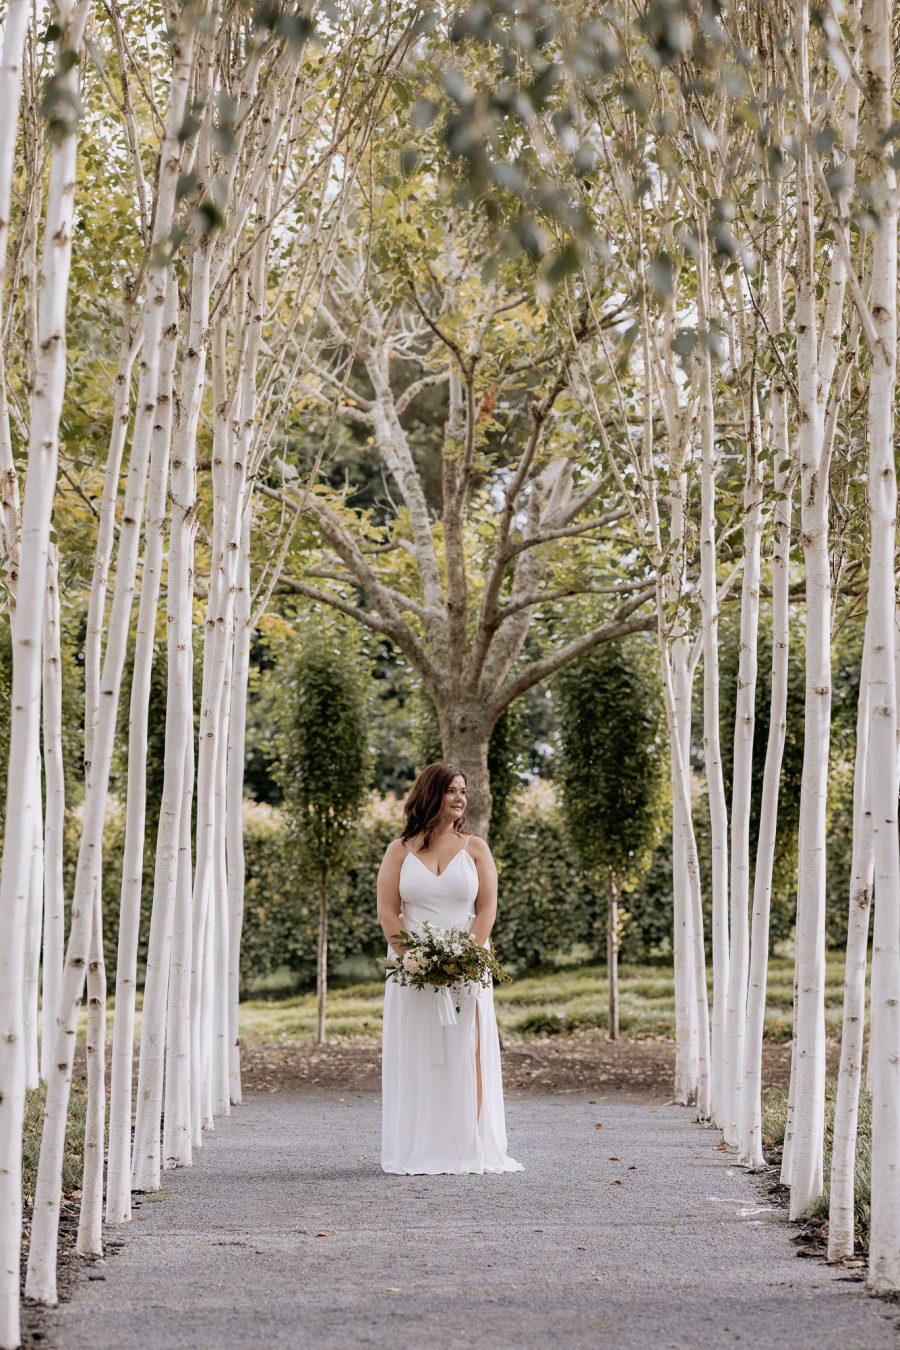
column 555, row 1064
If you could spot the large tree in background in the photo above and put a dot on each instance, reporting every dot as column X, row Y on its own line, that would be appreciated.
column 457, row 567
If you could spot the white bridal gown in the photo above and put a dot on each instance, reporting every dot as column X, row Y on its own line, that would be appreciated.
column 429, row 1120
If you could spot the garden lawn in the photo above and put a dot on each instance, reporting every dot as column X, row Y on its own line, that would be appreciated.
column 569, row 1002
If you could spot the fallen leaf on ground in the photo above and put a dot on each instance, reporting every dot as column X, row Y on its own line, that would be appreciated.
column 618, row 1182
column 613, row 1158
column 324, row 1234
column 390, row 1289
column 598, row 1124
column 581, row 1249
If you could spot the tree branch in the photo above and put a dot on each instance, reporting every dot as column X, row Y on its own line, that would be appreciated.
column 540, row 670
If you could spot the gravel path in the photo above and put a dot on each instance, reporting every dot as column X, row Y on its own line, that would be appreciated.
column 638, row 1235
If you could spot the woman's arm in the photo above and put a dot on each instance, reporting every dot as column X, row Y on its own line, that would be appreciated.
column 486, row 899
column 388, row 891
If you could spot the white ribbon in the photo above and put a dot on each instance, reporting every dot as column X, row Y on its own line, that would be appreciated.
column 443, row 1014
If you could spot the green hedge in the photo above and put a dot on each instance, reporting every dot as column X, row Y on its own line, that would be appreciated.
column 547, row 908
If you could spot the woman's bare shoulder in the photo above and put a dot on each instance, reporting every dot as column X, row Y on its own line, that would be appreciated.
column 478, row 847
column 395, row 850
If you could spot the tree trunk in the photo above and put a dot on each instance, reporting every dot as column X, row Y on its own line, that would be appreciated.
column 45, row 410
column 21, row 799
column 808, row 1063
column 234, row 807
column 742, row 783
column 90, row 1238
column 54, row 819
column 750, row 1140
column 177, row 1133
column 465, row 744
column 210, row 880
column 118, row 1185
column 322, row 964
column 612, row 959
column 884, row 1239
column 841, row 1209
column 712, row 753
column 33, row 924
column 221, row 1094
column 686, row 1025
column 145, row 1167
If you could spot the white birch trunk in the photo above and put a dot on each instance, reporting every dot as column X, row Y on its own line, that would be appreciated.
column 207, row 989
column 118, row 1185
column 688, row 1073
column 678, row 666
column 750, row 1138
column 234, row 806
column 221, row 959
column 177, row 1146
column 22, row 801
column 231, row 452
column 841, row 1223
column 89, row 1241
column 715, row 784
column 808, row 1124
column 179, row 724
column 15, row 24
column 41, row 1282
column 96, row 615
column 884, row 1235
column 215, row 648
column 693, row 915
column 54, row 818
column 742, row 782
column 30, row 1012
column 691, row 1007
column 787, row 1150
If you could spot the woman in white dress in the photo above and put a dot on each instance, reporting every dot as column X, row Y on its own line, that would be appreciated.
column 442, row 1093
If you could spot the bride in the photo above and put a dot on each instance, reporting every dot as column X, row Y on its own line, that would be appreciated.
column 442, row 1093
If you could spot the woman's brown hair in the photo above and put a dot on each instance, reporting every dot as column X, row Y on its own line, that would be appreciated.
column 422, row 808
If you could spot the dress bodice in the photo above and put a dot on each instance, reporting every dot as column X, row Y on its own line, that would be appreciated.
column 447, row 901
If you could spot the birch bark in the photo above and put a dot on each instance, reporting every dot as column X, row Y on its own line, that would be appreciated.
column 742, row 781
column 809, row 1058
column 884, row 1239
column 715, row 783
column 692, row 1066
column 118, row 1183
column 54, row 817
column 179, row 724
column 33, row 925
column 43, row 447
column 841, row 1220
column 41, row 1281
column 177, row 1143
column 235, row 799
column 750, row 1137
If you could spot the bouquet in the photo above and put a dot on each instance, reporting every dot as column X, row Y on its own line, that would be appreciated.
column 443, row 958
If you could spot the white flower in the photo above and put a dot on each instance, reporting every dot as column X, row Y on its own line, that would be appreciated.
column 414, row 961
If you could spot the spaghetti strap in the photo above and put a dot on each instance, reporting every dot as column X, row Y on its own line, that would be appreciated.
column 466, row 844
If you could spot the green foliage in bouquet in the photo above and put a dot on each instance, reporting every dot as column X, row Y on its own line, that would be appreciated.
column 441, row 958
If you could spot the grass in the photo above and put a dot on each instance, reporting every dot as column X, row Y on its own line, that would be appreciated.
column 568, row 1002
column 73, row 1156
column 774, row 1123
